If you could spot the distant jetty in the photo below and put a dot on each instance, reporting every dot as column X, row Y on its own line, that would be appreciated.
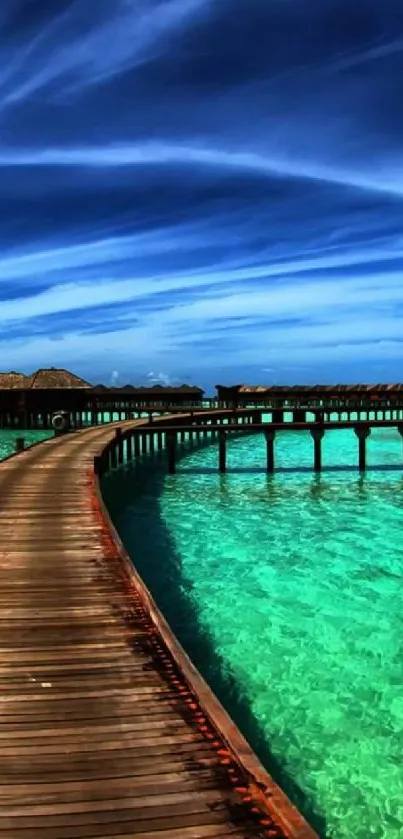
column 29, row 401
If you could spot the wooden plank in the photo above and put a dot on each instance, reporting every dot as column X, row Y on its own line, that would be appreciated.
column 155, row 738
column 57, row 649
column 12, row 590
column 102, row 764
column 51, row 614
column 200, row 832
column 79, row 789
column 117, row 765
column 20, row 556
column 147, row 829
column 29, row 685
column 74, row 648
column 82, row 825
column 63, row 628
column 142, row 797
column 76, row 710
column 175, row 776
column 167, row 713
column 79, row 734
column 97, row 600
column 76, row 669
column 152, row 691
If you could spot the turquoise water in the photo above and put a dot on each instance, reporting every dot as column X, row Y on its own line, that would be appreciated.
column 286, row 591
column 8, row 437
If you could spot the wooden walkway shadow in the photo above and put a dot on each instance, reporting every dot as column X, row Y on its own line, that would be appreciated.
column 101, row 734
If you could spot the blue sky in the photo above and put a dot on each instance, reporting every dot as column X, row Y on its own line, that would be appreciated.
column 202, row 190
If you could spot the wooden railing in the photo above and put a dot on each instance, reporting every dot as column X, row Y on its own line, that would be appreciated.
column 129, row 444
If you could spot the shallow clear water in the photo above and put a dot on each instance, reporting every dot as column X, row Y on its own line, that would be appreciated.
column 286, row 591
column 8, row 437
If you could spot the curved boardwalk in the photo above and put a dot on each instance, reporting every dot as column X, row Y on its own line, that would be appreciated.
column 98, row 735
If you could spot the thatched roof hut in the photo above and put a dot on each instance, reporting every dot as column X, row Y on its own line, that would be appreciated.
column 44, row 379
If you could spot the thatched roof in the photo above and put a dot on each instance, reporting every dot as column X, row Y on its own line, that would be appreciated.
column 44, row 378
column 52, row 378
column 12, row 381
column 253, row 389
column 328, row 389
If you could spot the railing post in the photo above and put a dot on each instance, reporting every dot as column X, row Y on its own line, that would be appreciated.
column 98, row 465
column 270, row 435
column 317, row 435
column 362, row 432
column 129, row 446
column 19, row 444
column 113, row 455
column 400, row 430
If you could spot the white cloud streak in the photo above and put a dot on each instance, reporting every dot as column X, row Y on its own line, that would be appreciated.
column 316, row 298
column 117, row 43
column 387, row 181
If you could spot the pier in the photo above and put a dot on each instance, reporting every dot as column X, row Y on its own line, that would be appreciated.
column 169, row 435
column 107, row 729
column 30, row 401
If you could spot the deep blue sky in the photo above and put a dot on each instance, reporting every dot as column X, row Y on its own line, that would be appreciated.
column 202, row 190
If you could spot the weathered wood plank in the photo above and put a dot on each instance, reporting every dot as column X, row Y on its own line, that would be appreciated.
column 92, row 789
column 148, row 829
column 153, row 738
column 79, row 734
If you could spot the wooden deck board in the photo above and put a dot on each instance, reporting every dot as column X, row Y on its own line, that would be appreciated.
column 95, row 739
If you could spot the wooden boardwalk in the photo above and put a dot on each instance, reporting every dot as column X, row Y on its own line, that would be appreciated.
column 99, row 733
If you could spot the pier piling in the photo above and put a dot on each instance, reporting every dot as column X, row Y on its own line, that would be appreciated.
column 362, row 433
column 270, row 435
column 317, row 435
column 222, row 451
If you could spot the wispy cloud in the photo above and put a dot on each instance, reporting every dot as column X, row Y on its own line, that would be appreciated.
column 165, row 153
column 161, row 379
column 188, row 185
column 98, row 46
column 114, row 379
